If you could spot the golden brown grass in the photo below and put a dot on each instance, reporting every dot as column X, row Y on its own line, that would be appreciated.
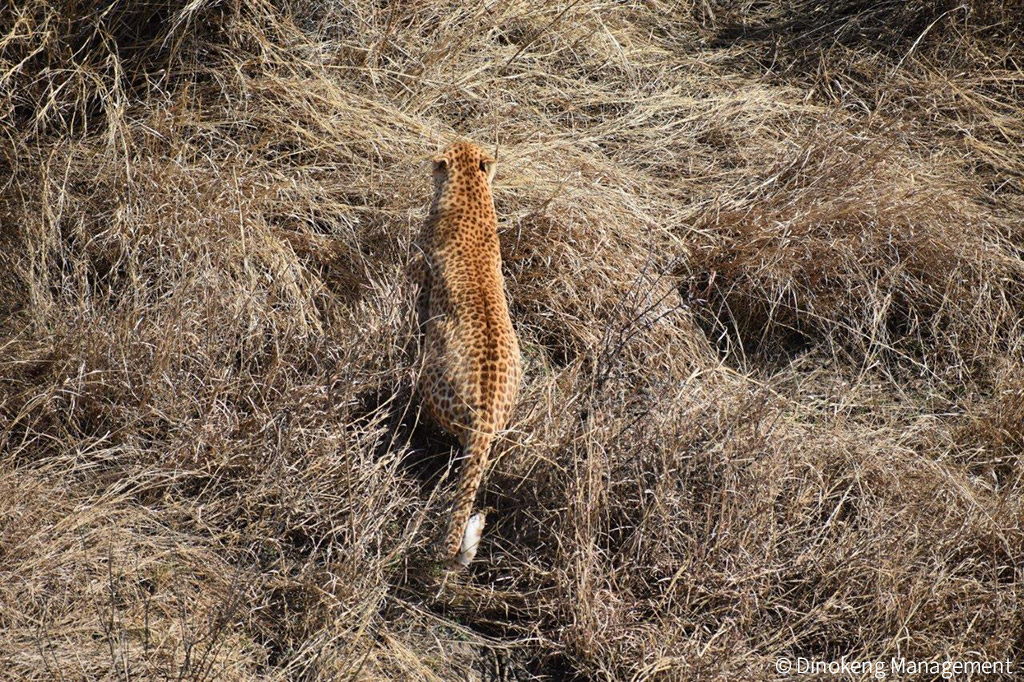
column 765, row 260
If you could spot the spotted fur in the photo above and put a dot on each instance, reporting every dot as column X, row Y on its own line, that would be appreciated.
column 471, row 367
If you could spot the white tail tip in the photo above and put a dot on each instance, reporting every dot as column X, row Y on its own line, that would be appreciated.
column 471, row 539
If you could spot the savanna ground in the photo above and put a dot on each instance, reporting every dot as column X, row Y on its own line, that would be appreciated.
column 766, row 260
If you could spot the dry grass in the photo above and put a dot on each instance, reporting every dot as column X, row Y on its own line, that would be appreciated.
column 765, row 260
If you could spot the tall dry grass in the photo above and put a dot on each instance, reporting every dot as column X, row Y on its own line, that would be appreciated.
column 765, row 260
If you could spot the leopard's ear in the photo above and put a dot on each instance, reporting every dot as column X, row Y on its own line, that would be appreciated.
column 488, row 165
column 440, row 163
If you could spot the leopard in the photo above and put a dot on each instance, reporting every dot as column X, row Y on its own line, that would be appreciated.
column 470, row 367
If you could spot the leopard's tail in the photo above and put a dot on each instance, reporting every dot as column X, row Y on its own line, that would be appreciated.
column 463, row 536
